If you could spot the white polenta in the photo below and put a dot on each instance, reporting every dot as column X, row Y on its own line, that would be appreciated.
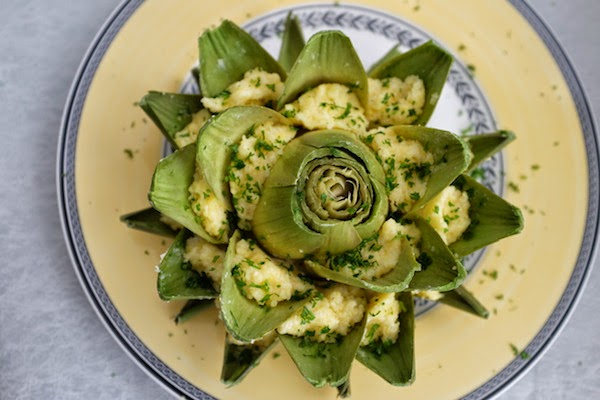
column 333, row 312
column 189, row 134
column 393, row 101
column 406, row 163
column 257, row 88
column 205, row 257
column 252, row 161
column 379, row 255
column 204, row 203
column 328, row 106
column 448, row 213
column 382, row 319
column 265, row 279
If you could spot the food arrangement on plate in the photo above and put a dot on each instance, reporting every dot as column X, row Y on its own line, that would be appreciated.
column 310, row 203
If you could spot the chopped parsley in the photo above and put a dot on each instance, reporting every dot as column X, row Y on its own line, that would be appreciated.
column 306, row 316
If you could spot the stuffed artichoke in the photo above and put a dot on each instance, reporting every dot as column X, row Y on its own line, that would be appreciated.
column 310, row 203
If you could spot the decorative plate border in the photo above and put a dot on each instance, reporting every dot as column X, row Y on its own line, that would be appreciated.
column 174, row 383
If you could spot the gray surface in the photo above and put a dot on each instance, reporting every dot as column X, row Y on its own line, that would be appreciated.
column 52, row 344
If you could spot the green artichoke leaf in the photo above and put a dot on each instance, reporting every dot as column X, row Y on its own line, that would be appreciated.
column 191, row 308
column 394, row 362
column 169, row 192
column 292, row 42
column 293, row 218
column 171, row 112
column 492, row 217
column 218, row 138
column 149, row 220
column 240, row 359
column 244, row 318
column 486, row 145
column 451, row 157
column 176, row 277
column 440, row 269
column 278, row 225
column 226, row 54
column 464, row 300
column 395, row 280
column 324, row 363
column 429, row 62
column 328, row 57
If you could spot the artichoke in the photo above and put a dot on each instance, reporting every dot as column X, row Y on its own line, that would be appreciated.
column 310, row 202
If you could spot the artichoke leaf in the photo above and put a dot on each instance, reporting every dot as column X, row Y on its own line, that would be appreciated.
column 169, row 191
column 244, row 318
column 486, row 145
column 292, row 42
column 279, row 227
column 328, row 57
column 394, row 363
column 395, row 280
column 492, row 217
column 429, row 62
column 240, row 359
column 440, row 269
column 451, row 157
column 324, row 363
column 464, row 300
column 217, row 140
column 176, row 277
column 282, row 223
column 226, row 54
column 171, row 112
column 149, row 220
column 192, row 308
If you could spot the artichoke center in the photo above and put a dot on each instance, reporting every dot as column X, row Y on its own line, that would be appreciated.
column 335, row 191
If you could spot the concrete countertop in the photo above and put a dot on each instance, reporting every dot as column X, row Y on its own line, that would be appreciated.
column 52, row 344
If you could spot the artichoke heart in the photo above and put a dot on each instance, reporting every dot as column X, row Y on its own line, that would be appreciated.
column 325, row 194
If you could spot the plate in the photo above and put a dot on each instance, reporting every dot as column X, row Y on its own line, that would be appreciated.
column 510, row 74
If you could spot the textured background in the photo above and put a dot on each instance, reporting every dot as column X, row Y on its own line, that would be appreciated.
column 52, row 344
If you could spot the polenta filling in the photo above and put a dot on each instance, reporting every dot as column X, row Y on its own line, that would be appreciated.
column 189, row 134
column 407, row 165
column 206, row 258
column 257, row 88
column 448, row 213
column 211, row 212
column 328, row 106
column 382, row 328
column 378, row 255
column 252, row 160
column 264, row 279
column 393, row 101
column 332, row 313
